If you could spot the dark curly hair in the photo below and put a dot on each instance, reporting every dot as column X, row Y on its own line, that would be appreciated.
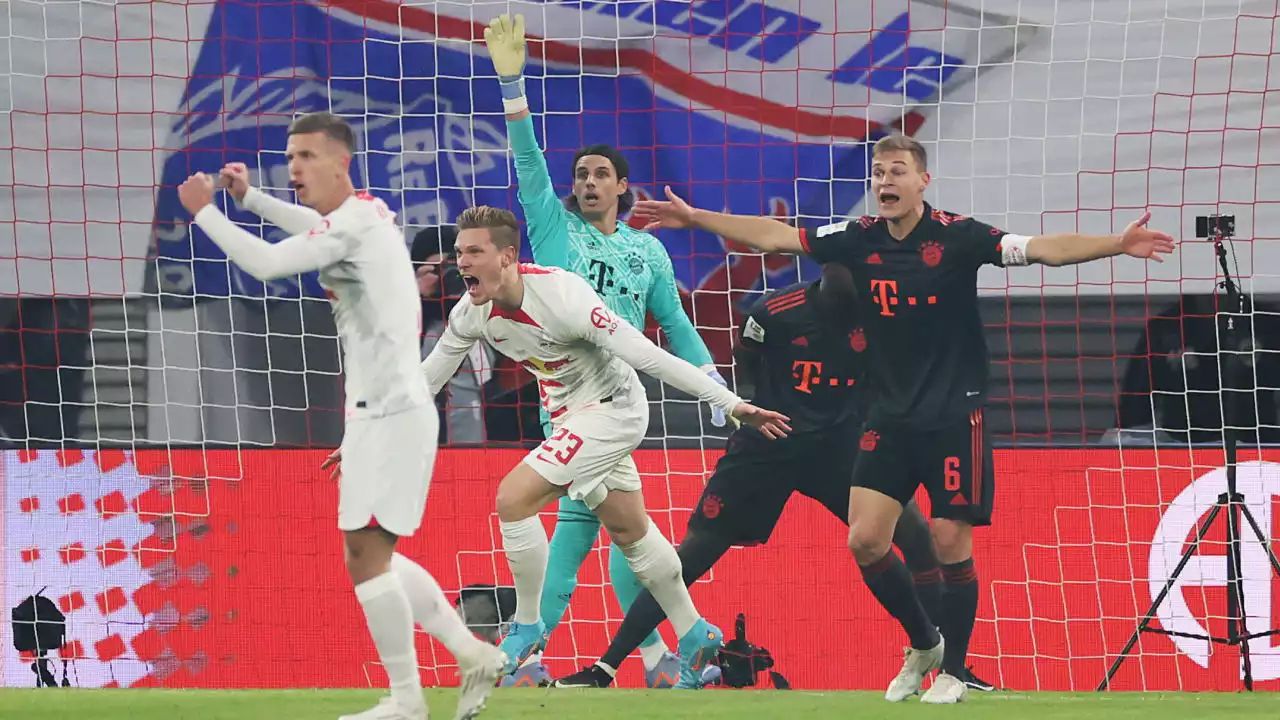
column 620, row 166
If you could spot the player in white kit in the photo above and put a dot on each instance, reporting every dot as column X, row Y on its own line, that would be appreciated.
column 389, row 443
column 585, row 360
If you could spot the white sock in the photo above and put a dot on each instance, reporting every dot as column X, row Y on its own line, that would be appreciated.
column 657, row 565
column 390, row 619
column 525, row 543
column 652, row 654
column 431, row 609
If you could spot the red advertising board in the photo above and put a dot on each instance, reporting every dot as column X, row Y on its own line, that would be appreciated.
column 184, row 568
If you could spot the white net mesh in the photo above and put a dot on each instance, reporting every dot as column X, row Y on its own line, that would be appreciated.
column 144, row 371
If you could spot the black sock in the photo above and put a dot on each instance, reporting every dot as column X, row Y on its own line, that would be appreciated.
column 645, row 615
column 929, row 591
column 913, row 538
column 959, row 610
column 698, row 552
column 890, row 581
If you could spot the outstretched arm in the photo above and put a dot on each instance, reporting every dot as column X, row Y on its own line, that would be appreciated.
column 638, row 351
column 762, row 233
column 542, row 209
column 446, row 357
column 1070, row 248
column 997, row 247
column 586, row 317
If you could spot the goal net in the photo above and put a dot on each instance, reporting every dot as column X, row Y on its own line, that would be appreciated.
column 164, row 414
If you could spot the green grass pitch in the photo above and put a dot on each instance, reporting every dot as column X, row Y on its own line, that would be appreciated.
column 529, row 704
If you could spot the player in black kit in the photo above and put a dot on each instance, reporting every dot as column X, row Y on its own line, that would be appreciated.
column 802, row 348
column 915, row 270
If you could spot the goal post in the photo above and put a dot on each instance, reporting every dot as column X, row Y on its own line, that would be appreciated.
column 210, row 398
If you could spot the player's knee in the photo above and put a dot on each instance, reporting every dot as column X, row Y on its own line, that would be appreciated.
column 511, row 505
column 367, row 553
column 952, row 540
column 623, row 534
column 867, row 543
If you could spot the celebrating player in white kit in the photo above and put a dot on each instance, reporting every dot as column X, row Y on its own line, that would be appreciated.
column 556, row 326
column 389, row 445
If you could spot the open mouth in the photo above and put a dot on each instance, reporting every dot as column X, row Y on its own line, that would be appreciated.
column 298, row 187
column 591, row 197
column 888, row 198
column 472, row 283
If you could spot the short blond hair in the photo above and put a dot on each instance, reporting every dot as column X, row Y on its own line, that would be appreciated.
column 503, row 228
column 901, row 143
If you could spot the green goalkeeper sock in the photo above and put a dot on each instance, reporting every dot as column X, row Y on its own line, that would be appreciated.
column 627, row 587
column 576, row 531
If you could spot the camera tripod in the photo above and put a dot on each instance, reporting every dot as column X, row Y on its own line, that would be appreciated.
column 1220, row 228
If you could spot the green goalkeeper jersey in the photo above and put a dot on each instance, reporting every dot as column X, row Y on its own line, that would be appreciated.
column 630, row 269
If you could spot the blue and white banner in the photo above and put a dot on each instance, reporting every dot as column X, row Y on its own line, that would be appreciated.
column 749, row 106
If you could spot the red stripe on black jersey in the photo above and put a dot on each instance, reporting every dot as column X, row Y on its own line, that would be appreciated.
column 780, row 307
column 778, row 303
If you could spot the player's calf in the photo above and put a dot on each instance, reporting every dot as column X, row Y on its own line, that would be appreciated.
column 954, row 542
column 522, row 493
column 389, row 616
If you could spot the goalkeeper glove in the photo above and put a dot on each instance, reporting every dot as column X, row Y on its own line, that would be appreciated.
column 717, row 415
column 505, row 39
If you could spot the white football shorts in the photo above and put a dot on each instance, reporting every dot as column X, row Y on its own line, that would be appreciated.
column 386, row 470
column 590, row 452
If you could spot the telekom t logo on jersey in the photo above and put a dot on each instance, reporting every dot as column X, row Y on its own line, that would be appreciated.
column 1259, row 482
column 885, row 294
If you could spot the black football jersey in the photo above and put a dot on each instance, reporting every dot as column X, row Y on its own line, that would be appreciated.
column 808, row 364
column 918, row 297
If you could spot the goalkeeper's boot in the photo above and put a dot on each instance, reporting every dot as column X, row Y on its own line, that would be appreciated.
column 479, row 673
column 388, row 709
column 665, row 674
column 918, row 663
column 976, row 683
column 946, row 690
column 523, row 641
column 531, row 674
column 698, row 648
column 592, row 676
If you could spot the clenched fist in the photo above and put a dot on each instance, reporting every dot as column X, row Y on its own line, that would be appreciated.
column 235, row 178
column 196, row 192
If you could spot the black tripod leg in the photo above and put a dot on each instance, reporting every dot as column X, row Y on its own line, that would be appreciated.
column 1164, row 593
column 1237, row 625
column 1263, row 540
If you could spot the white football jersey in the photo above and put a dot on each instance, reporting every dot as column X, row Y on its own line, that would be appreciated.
column 564, row 334
column 368, row 277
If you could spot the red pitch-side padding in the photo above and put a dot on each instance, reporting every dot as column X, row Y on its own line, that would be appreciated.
column 252, row 592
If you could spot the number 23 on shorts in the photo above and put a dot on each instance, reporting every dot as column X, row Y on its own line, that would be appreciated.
column 560, row 447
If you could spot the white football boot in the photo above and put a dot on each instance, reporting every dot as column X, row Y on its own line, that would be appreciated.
column 479, row 674
column 946, row 690
column 918, row 663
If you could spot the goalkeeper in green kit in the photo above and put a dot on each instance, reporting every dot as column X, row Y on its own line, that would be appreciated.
column 632, row 272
